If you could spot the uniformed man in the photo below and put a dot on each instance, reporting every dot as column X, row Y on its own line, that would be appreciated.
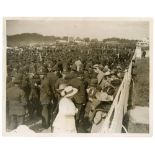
column 17, row 102
column 34, row 96
column 45, row 99
column 52, row 77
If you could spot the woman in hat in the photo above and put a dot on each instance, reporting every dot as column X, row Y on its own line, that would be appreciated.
column 65, row 119
column 62, row 86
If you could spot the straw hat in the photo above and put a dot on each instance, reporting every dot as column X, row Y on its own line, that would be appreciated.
column 61, row 87
column 69, row 91
column 107, row 73
column 96, row 66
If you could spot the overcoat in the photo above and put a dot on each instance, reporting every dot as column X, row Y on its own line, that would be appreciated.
column 45, row 92
column 17, row 101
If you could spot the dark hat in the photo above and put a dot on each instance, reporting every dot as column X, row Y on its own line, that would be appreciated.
column 36, row 76
column 116, row 82
column 110, row 90
column 65, row 71
column 42, row 71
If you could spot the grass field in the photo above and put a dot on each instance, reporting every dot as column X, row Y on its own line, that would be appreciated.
column 139, row 95
column 141, row 84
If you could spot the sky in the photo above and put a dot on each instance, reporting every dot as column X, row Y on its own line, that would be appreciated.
column 93, row 28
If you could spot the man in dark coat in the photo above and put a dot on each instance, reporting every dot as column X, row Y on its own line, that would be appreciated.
column 25, row 85
column 45, row 99
column 34, row 97
column 52, row 77
column 17, row 102
column 80, row 97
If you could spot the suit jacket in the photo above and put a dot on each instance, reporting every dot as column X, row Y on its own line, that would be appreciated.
column 52, row 79
column 45, row 92
column 80, row 97
column 59, row 82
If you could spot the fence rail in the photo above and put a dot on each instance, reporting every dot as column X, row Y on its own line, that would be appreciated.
column 114, row 119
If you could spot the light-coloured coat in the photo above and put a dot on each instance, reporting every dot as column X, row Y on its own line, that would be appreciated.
column 65, row 121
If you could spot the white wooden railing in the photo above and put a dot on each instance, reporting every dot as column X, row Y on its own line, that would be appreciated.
column 114, row 119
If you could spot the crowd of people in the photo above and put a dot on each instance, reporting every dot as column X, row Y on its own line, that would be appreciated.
column 69, row 87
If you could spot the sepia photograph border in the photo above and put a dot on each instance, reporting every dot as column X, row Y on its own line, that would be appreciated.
column 148, row 19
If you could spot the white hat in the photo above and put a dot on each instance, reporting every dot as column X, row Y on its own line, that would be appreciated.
column 95, row 66
column 107, row 73
column 106, row 67
column 119, row 67
column 69, row 91
column 62, row 87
